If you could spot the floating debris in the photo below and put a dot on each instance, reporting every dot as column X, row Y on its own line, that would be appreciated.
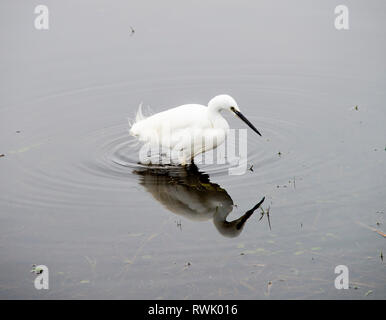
column 356, row 108
column 2, row 155
column 135, row 234
column 368, row 292
column 266, row 212
column 279, row 153
column 381, row 256
column 132, row 31
column 269, row 285
column 84, row 281
column 381, row 233
column 251, row 168
column 36, row 270
column 256, row 251
column 370, row 228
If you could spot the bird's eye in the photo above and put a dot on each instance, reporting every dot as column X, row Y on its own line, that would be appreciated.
column 233, row 108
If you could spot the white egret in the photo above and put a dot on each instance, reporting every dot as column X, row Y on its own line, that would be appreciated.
column 189, row 129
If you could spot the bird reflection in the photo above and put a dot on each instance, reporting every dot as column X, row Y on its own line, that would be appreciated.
column 188, row 192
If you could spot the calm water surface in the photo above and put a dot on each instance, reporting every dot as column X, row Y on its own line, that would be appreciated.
column 72, row 196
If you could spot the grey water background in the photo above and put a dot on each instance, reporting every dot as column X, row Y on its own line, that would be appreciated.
column 72, row 197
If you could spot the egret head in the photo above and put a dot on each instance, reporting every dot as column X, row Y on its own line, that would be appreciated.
column 226, row 102
column 223, row 102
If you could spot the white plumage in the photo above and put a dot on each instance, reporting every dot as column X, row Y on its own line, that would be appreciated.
column 184, row 132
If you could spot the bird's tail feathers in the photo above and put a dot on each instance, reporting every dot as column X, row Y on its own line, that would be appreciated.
column 139, row 116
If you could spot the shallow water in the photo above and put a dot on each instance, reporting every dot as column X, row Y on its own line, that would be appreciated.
column 72, row 196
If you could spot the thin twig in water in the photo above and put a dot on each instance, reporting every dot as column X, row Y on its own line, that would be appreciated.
column 373, row 229
column 266, row 212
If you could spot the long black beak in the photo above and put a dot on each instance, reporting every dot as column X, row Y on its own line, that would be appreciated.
column 241, row 116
